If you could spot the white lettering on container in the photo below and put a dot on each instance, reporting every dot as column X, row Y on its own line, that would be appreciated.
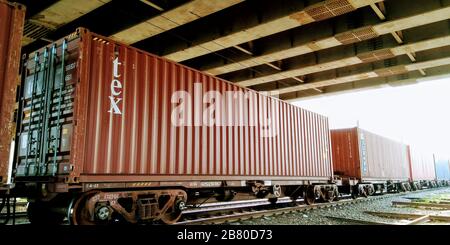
column 116, row 89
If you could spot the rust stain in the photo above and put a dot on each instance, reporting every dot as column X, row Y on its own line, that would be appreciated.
column 302, row 17
column 11, row 29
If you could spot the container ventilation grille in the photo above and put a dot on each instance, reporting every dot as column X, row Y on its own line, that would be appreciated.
column 376, row 56
column 329, row 9
column 35, row 30
column 397, row 70
column 357, row 35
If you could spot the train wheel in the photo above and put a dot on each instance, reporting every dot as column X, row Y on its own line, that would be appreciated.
column 408, row 187
column 80, row 213
column 364, row 193
column 335, row 195
column 370, row 190
column 327, row 196
column 309, row 196
column 170, row 217
column 402, row 187
column 418, row 186
column 173, row 214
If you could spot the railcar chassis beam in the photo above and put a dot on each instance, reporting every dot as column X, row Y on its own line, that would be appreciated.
column 99, row 207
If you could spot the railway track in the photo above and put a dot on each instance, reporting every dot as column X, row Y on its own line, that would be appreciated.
column 20, row 213
column 235, row 214
column 220, row 213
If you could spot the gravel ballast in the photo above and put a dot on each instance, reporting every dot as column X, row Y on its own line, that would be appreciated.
column 354, row 211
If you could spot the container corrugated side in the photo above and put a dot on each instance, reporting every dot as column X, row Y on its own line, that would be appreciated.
column 12, row 17
column 138, row 141
column 143, row 141
column 386, row 159
column 442, row 166
column 422, row 165
column 346, row 161
column 367, row 156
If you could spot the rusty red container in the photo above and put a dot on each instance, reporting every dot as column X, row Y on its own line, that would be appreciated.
column 119, row 124
column 422, row 165
column 12, row 17
column 368, row 157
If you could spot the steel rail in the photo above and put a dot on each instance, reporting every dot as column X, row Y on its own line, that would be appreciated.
column 239, row 215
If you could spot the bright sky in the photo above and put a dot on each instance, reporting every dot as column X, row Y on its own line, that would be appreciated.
column 416, row 114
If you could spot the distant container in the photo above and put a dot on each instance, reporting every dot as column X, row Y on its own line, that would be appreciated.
column 422, row 165
column 111, row 122
column 442, row 168
column 368, row 157
column 12, row 17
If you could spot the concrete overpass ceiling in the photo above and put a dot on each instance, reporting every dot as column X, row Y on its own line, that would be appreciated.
column 271, row 21
column 55, row 15
column 308, row 40
column 377, row 82
column 398, row 66
column 109, row 16
column 290, row 47
column 186, row 13
column 343, row 56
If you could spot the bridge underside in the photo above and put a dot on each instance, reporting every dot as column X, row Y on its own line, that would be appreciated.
column 294, row 49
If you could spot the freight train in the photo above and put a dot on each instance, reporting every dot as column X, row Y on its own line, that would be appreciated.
column 372, row 164
column 105, row 133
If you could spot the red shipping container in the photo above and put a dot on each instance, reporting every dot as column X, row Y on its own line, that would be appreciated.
column 120, row 124
column 368, row 157
column 422, row 165
column 12, row 17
